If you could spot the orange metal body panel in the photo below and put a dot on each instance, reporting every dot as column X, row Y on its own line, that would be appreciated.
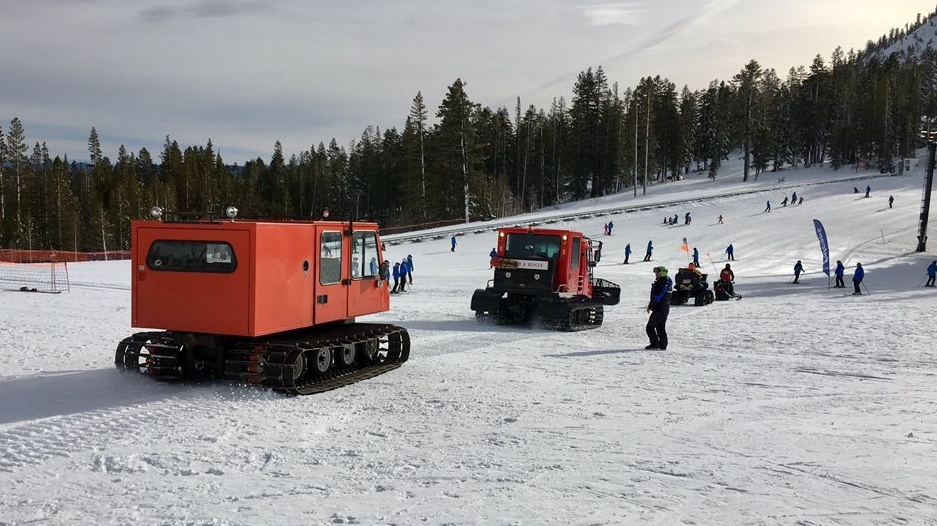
column 275, row 286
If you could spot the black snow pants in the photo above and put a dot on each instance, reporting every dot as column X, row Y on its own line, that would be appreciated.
column 657, row 326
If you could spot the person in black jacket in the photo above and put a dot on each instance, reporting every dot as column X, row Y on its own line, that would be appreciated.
column 659, row 309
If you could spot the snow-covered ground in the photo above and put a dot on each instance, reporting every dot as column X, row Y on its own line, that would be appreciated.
column 799, row 404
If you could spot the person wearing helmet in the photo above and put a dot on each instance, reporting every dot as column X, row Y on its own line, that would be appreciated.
column 728, row 278
column 659, row 309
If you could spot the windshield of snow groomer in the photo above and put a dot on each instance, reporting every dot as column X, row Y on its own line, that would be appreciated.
column 531, row 246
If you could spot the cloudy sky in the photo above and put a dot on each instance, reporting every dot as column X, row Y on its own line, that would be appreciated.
column 247, row 73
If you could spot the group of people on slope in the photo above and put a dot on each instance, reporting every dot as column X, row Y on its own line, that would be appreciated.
column 402, row 274
column 857, row 276
column 686, row 219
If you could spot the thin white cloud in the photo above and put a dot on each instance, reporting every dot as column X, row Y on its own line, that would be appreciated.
column 611, row 14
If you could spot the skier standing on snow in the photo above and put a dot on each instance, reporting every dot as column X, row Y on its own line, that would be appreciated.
column 840, row 270
column 610, row 225
column 396, row 278
column 931, row 274
column 659, row 308
column 410, row 268
column 857, row 278
column 730, row 252
column 768, row 208
column 650, row 248
column 798, row 268
column 891, row 199
column 868, row 190
column 403, row 275
column 453, row 244
column 695, row 256
column 627, row 253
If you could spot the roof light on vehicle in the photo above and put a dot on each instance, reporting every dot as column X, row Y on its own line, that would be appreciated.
column 156, row 212
column 231, row 212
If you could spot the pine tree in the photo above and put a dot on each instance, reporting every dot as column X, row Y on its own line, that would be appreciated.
column 18, row 164
column 417, row 119
column 457, row 152
column 747, row 84
column 589, row 92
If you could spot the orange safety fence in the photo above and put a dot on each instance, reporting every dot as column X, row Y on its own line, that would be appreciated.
column 47, row 256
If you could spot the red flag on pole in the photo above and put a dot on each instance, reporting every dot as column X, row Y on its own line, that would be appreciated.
column 685, row 247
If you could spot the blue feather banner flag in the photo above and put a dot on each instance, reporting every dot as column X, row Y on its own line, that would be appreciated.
column 824, row 246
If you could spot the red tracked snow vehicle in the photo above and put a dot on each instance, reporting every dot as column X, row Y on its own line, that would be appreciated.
column 271, row 303
column 547, row 273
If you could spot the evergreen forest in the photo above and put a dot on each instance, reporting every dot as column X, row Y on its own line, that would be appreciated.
column 458, row 161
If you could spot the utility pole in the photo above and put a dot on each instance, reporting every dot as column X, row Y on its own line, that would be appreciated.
column 647, row 136
column 928, row 183
column 634, row 165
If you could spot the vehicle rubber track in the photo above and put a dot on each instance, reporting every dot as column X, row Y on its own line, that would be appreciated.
column 579, row 317
column 303, row 363
column 342, row 355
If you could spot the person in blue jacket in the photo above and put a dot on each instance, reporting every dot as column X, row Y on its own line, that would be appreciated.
column 768, row 207
column 650, row 248
column 931, row 274
column 695, row 257
column 396, row 275
column 627, row 253
column 840, row 270
column 798, row 268
column 410, row 269
column 404, row 272
column 857, row 278
column 659, row 308
column 453, row 244
column 730, row 252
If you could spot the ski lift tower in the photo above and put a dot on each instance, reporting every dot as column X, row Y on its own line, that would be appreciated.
column 930, row 135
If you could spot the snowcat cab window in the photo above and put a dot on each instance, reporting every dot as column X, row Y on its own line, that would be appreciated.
column 191, row 256
column 531, row 246
column 574, row 264
column 364, row 253
column 330, row 258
